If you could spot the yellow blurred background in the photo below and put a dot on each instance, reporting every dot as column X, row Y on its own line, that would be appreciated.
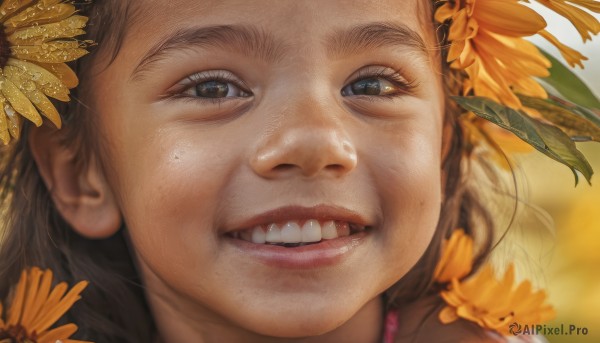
column 571, row 269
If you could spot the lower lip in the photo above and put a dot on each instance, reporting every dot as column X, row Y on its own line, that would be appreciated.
column 325, row 253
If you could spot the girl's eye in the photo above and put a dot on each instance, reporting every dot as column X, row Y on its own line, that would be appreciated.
column 378, row 82
column 215, row 89
column 372, row 86
column 213, row 85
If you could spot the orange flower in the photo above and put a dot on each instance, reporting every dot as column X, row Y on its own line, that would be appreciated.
column 457, row 257
column 584, row 22
column 487, row 43
column 35, row 307
column 494, row 304
column 572, row 56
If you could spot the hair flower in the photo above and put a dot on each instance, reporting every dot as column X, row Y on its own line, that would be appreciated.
column 487, row 43
column 35, row 307
column 504, row 77
column 457, row 258
column 36, row 40
column 482, row 298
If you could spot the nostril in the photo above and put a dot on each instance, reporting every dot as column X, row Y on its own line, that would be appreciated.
column 284, row 167
column 336, row 168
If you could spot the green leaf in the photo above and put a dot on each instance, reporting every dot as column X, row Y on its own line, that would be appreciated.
column 568, row 84
column 577, row 126
column 546, row 138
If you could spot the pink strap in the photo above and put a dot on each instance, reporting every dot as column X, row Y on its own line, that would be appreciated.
column 391, row 326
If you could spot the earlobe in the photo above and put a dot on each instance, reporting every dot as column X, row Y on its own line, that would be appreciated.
column 81, row 194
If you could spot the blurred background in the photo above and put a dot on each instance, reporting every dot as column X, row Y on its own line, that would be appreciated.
column 570, row 262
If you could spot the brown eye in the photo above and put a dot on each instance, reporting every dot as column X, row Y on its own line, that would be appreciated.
column 370, row 86
column 212, row 89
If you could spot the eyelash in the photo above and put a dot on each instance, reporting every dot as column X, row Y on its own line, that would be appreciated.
column 405, row 87
column 213, row 75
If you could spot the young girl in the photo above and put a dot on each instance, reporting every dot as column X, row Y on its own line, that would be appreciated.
column 251, row 171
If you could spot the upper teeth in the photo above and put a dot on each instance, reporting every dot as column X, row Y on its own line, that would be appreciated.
column 294, row 231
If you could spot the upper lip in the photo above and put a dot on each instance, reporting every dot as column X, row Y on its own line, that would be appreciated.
column 286, row 213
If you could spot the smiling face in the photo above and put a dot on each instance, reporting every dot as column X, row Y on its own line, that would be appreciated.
column 224, row 118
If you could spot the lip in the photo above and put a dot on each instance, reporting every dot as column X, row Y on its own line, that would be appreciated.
column 285, row 213
column 323, row 254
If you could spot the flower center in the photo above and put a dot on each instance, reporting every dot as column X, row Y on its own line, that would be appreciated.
column 4, row 48
column 15, row 334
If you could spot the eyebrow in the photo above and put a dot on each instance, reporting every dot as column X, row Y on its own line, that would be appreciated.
column 372, row 36
column 247, row 40
column 252, row 41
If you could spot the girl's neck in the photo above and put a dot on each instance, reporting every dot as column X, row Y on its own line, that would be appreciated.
column 175, row 324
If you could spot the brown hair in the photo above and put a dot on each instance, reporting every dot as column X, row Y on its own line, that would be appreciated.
column 113, row 307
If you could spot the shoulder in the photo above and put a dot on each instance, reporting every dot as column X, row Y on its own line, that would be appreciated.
column 418, row 322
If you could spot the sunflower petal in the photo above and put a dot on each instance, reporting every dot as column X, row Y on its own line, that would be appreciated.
column 592, row 5
column 53, row 299
column 14, row 121
column 456, row 259
column 10, row 7
column 56, row 334
column 46, row 81
column 41, row 297
column 4, row 135
column 15, row 310
column 67, row 28
column 448, row 315
column 584, row 22
column 572, row 56
column 65, row 74
column 19, row 101
column 51, row 52
column 508, row 18
column 59, row 309
column 33, row 281
column 445, row 12
column 45, row 11
column 31, row 91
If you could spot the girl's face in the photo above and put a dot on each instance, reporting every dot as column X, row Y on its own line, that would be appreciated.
column 225, row 116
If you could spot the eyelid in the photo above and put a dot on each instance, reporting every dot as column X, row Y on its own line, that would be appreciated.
column 406, row 85
column 209, row 75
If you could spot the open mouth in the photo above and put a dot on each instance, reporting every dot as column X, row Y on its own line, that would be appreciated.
column 296, row 233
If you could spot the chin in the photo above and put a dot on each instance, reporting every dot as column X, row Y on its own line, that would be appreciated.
column 299, row 320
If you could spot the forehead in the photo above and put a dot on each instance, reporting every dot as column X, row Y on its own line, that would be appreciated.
column 160, row 13
column 297, row 23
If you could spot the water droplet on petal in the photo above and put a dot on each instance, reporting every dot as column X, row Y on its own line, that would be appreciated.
column 29, row 86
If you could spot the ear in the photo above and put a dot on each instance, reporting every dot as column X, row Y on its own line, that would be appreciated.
column 82, row 197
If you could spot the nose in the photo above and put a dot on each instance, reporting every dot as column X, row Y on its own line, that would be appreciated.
column 306, row 143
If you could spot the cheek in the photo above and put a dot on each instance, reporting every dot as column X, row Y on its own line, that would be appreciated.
column 408, row 178
column 170, row 189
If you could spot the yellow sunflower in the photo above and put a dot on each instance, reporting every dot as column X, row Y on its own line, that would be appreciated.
column 457, row 257
column 35, row 307
column 36, row 40
column 482, row 298
column 495, row 304
column 487, row 43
